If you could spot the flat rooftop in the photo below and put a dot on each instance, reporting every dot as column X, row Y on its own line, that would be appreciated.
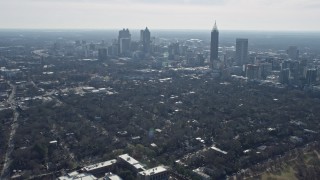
column 77, row 176
column 219, row 150
column 128, row 159
column 99, row 165
column 110, row 176
column 152, row 171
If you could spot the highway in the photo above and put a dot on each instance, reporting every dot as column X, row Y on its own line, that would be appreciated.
column 14, row 125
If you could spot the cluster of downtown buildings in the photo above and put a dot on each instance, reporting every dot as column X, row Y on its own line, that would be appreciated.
column 285, row 67
column 282, row 67
column 124, row 47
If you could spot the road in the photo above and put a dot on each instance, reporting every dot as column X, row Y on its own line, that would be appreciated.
column 7, row 159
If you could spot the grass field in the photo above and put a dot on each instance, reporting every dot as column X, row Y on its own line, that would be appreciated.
column 287, row 173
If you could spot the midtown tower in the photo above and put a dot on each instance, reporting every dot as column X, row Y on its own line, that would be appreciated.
column 214, row 44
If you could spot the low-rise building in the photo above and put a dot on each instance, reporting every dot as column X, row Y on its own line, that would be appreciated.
column 157, row 173
column 77, row 176
column 100, row 168
column 110, row 176
column 199, row 172
column 130, row 163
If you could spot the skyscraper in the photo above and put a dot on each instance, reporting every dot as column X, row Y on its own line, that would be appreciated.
column 173, row 50
column 214, row 44
column 241, row 51
column 311, row 76
column 145, row 40
column 284, row 76
column 124, row 40
column 293, row 52
column 102, row 54
column 253, row 71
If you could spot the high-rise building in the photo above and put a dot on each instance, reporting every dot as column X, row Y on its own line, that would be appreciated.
column 241, row 51
column 173, row 50
column 293, row 52
column 266, row 69
column 253, row 71
column 190, row 57
column 284, row 76
column 214, row 45
column 294, row 67
column 102, row 54
column 145, row 40
column 113, row 50
column 311, row 76
column 125, row 46
column 200, row 59
column 124, row 40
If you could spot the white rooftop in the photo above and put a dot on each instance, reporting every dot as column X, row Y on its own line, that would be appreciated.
column 99, row 165
column 77, row 176
column 200, row 172
column 53, row 142
column 128, row 159
column 218, row 150
column 139, row 166
column 74, row 173
column 110, row 176
column 152, row 171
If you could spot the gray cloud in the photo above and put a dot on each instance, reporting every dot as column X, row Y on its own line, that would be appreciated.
column 184, row 1
column 140, row 1
column 183, row 14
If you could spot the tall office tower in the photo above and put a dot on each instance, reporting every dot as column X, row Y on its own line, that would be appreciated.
column 214, row 44
column 241, row 51
column 124, row 40
column 102, row 54
column 125, row 46
column 294, row 67
column 284, row 76
column 200, row 59
column 266, row 69
column 293, row 52
column 303, row 67
column 145, row 40
column 253, row 71
column 311, row 76
column 173, row 50
column 113, row 50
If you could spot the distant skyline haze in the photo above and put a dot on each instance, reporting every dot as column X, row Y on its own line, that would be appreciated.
column 269, row 15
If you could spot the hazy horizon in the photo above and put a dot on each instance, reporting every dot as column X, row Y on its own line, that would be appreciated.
column 156, row 29
column 257, row 39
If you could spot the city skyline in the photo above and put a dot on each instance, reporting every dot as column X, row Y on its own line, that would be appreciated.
column 133, row 102
column 115, row 14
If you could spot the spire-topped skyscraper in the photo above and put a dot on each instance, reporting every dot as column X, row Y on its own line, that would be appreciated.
column 214, row 44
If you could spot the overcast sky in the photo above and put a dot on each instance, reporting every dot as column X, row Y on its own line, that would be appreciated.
column 162, row 14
